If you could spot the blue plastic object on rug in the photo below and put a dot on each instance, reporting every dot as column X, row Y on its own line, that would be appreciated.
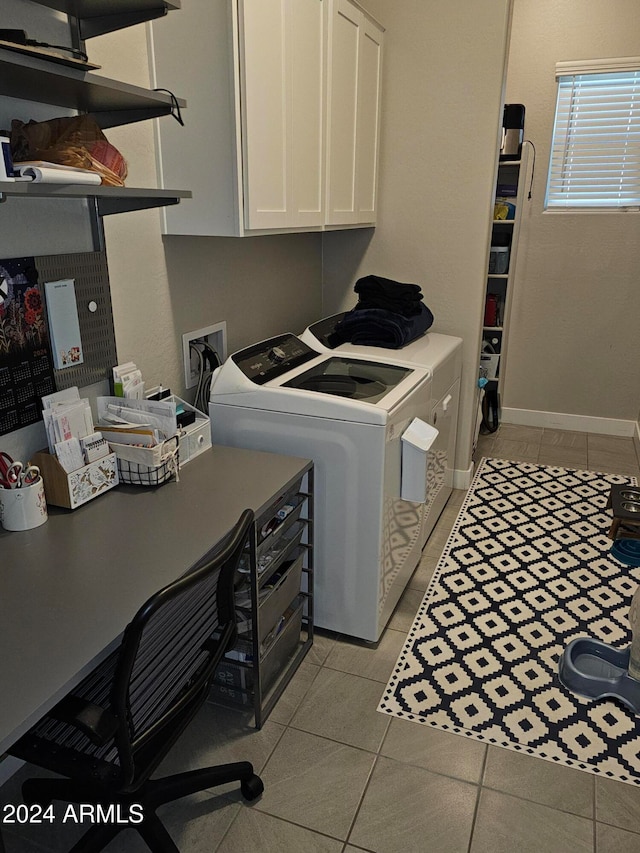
column 627, row 551
column 596, row 670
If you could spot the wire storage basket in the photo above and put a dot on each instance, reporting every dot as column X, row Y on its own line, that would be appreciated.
column 148, row 466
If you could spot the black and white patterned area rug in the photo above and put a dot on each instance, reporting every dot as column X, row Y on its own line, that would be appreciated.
column 527, row 568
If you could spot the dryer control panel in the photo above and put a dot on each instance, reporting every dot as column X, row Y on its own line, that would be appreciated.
column 273, row 357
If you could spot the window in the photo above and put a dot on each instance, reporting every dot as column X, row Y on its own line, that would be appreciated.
column 595, row 152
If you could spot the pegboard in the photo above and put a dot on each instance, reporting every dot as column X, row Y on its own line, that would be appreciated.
column 91, row 276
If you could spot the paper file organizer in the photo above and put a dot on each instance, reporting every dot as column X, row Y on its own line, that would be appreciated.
column 74, row 489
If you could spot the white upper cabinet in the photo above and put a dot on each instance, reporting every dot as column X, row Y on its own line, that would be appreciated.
column 353, row 116
column 255, row 144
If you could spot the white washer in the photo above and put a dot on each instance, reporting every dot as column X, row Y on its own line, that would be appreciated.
column 441, row 355
column 347, row 414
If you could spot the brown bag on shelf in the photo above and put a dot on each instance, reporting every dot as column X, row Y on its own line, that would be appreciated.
column 74, row 141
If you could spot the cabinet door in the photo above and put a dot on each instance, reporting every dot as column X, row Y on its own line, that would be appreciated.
column 308, row 40
column 368, row 131
column 355, row 57
column 282, row 72
column 342, row 113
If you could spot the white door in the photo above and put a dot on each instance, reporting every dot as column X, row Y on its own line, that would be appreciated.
column 354, row 72
column 282, row 56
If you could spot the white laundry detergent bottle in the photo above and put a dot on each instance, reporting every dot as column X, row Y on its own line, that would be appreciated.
column 634, row 621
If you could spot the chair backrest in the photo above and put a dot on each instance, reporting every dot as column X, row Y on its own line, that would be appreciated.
column 170, row 650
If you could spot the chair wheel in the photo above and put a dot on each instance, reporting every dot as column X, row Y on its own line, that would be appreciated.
column 252, row 787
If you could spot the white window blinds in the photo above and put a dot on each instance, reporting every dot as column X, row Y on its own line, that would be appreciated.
column 595, row 154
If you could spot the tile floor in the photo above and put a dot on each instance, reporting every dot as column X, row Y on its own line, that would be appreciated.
column 340, row 777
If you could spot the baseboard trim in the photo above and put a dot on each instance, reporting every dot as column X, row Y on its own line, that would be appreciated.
column 461, row 478
column 577, row 423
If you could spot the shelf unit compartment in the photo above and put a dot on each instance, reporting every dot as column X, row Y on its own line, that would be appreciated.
column 503, row 225
column 266, row 543
column 280, row 597
column 97, row 17
column 110, row 102
column 287, row 497
column 279, row 653
column 240, row 675
column 494, row 308
column 272, row 600
column 273, row 559
column 232, row 684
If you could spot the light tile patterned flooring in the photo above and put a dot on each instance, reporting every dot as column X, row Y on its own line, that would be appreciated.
column 340, row 777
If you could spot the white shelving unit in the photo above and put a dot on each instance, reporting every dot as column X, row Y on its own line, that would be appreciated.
column 512, row 174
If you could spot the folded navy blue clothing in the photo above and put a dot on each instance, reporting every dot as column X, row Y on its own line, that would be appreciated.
column 376, row 327
column 407, row 308
column 376, row 285
column 384, row 293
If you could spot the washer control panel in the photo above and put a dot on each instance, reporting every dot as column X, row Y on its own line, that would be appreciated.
column 272, row 358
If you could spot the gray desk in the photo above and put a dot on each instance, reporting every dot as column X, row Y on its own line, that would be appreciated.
column 69, row 587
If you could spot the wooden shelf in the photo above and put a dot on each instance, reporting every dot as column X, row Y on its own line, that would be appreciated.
column 108, row 199
column 110, row 102
column 96, row 17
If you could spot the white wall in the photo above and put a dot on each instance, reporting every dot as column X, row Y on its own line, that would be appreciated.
column 574, row 345
column 442, row 97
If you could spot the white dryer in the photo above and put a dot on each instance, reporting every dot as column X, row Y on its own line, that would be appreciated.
column 348, row 414
column 441, row 355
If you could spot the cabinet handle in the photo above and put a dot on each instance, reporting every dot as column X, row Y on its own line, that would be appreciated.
column 446, row 402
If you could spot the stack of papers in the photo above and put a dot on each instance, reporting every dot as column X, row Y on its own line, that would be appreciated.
column 128, row 382
column 144, row 423
column 40, row 171
column 66, row 416
column 70, row 432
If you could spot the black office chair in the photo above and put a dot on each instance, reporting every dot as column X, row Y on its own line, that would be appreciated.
column 110, row 734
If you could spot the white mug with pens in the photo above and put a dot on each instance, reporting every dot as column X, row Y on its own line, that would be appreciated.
column 22, row 499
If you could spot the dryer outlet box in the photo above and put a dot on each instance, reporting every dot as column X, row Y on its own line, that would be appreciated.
column 215, row 336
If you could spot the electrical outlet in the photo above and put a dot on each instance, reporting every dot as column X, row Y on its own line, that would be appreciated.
column 215, row 336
